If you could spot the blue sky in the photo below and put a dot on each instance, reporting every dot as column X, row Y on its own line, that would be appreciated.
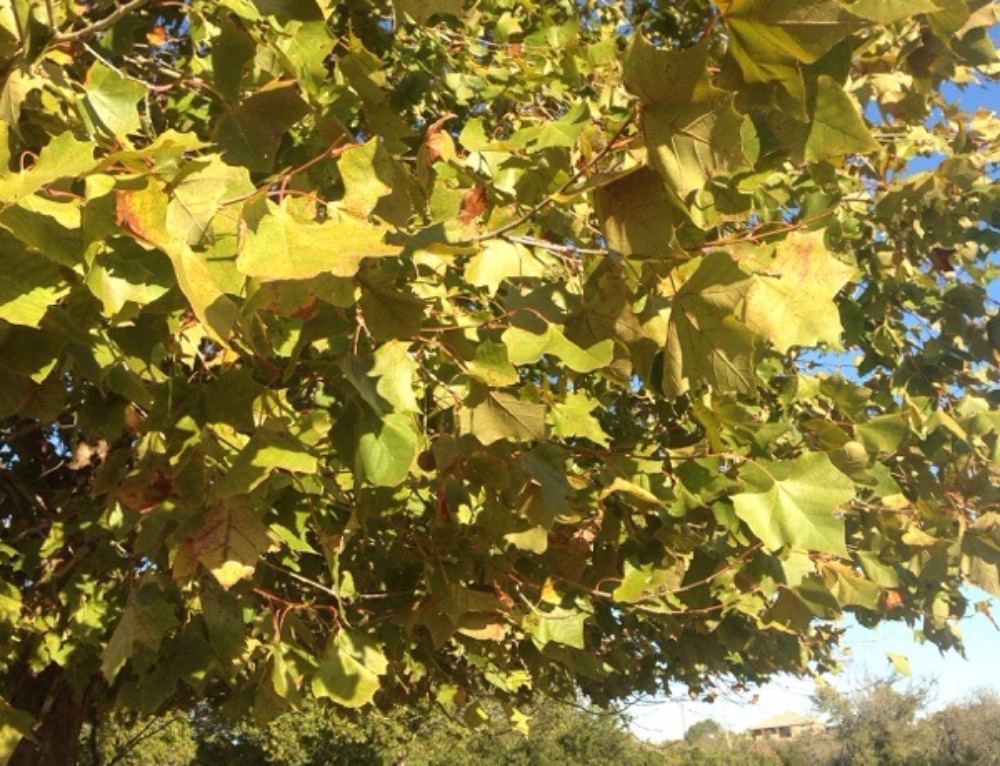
column 865, row 655
column 865, row 652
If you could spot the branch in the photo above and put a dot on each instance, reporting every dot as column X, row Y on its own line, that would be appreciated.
column 20, row 493
column 99, row 26
column 711, row 25
column 580, row 172
column 556, row 247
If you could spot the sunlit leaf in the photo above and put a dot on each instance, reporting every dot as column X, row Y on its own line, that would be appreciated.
column 282, row 246
column 791, row 300
column 796, row 503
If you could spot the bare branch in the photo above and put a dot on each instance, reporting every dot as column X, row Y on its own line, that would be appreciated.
column 566, row 187
column 99, row 26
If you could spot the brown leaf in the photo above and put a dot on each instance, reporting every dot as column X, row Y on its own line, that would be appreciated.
column 124, row 214
column 893, row 600
column 437, row 143
column 473, row 204
column 137, row 212
column 157, row 35
column 941, row 259
column 142, row 492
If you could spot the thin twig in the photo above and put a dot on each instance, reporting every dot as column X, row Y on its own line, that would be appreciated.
column 711, row 25
column 304, row 580
column 555, row 247
column 102, row 24
column 580, row 172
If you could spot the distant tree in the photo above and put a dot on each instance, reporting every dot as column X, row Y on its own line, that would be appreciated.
column 125, row 740
column 876, row 726
column 718, row 747
column 560, row 734
column 967, row 732
column 320, row 735
column 703, row 730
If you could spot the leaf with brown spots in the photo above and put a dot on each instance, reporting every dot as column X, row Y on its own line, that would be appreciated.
column 229, row 544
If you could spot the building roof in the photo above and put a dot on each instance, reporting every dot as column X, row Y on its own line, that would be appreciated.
column 783, row 719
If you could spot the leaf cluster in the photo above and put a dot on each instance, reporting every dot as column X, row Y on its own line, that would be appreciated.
column 381, row 351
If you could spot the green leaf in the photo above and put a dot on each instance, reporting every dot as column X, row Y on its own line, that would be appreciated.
column 631, row 489
column 705, row 342
column 850, row 589
column 491, row 365
column 250, row 134
column 804, row 28
column 837, row 127
column 560, row 133
column 15, row 725
column 889, row 11
column 64, row 157
column 229, row 544
column 981, row 553
column 127, row 274
column 30, row 285
column 10, row 603
column 525, row 347
column 350, row 673
column 363, row 72
column 796, row 503
column 691, row 147
column 395, row 369
column 691, row 129
column 281, row 246
column 30, row 352
column 307, row 46
column 884, row 433
column 143, row 213
column 214, row 308
column 491, row 416
column 390, row 312
column 199, row 193
column 423, row 10
column 112, row 99
column 900, row 663
column 500, row 260
column 48, row 226
column 772, row 32
column 631, row 209
column 387, row 448
column 146, row 621
column 791, row 300
column 573, row 418
column 19, row 83
column 534, row 539
column 267, row 451
column 770, row 40
column 232, row 51
column 639, row 583
column 224, row 622
column 367, row 173
column 558, row 625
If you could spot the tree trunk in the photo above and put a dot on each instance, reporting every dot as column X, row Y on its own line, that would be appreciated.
column 59, row 710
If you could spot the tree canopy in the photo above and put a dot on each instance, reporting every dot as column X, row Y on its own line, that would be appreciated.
column 443, row 350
